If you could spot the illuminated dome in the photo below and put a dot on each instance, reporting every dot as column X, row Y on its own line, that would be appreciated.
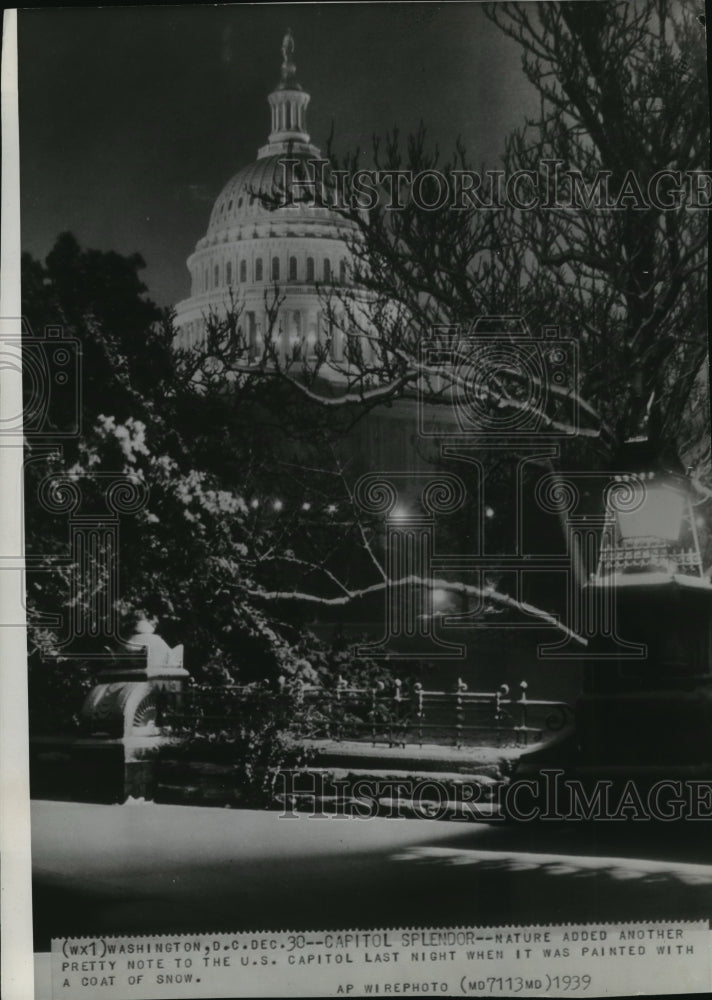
column 259, row 237
column 250, row 196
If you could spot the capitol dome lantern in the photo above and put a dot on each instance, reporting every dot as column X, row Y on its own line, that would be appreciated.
column 288, row 102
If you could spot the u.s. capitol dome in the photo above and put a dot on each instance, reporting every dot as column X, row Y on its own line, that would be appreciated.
column 271, row 263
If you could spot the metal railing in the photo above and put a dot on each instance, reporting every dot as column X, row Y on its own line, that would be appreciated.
column 396, row 714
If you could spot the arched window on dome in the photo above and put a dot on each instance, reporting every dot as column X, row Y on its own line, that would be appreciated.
column 243, row 270
column 327, row 270
column 310, row 268
column 294, row 332
column 252, row 335
column 275, row 269
column 258, row 269
column 228, row 273
column 330, row 336
column 206, row 282
column 342, row 271
column 217, row 275
column 337, row 343
column 292, row 268
column 312, row 338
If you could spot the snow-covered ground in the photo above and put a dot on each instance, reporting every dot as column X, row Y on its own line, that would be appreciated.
column 143, row 868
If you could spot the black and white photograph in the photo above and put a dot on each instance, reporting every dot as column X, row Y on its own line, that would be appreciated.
column 356, row 569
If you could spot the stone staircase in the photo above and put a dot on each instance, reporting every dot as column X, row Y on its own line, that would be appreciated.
column 357, row 779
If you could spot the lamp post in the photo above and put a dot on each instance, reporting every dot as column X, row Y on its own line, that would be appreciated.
column 649, row 709
column 644, row 713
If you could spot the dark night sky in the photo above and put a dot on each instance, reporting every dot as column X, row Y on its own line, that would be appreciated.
column 133, row 118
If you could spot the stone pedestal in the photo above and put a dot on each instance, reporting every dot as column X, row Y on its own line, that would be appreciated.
column 121, row 715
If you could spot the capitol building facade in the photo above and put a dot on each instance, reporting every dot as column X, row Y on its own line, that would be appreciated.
column 275, row 265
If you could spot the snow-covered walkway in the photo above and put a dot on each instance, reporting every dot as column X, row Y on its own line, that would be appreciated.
column 149, row 868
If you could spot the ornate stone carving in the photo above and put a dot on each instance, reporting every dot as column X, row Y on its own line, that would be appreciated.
column 125, row 701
